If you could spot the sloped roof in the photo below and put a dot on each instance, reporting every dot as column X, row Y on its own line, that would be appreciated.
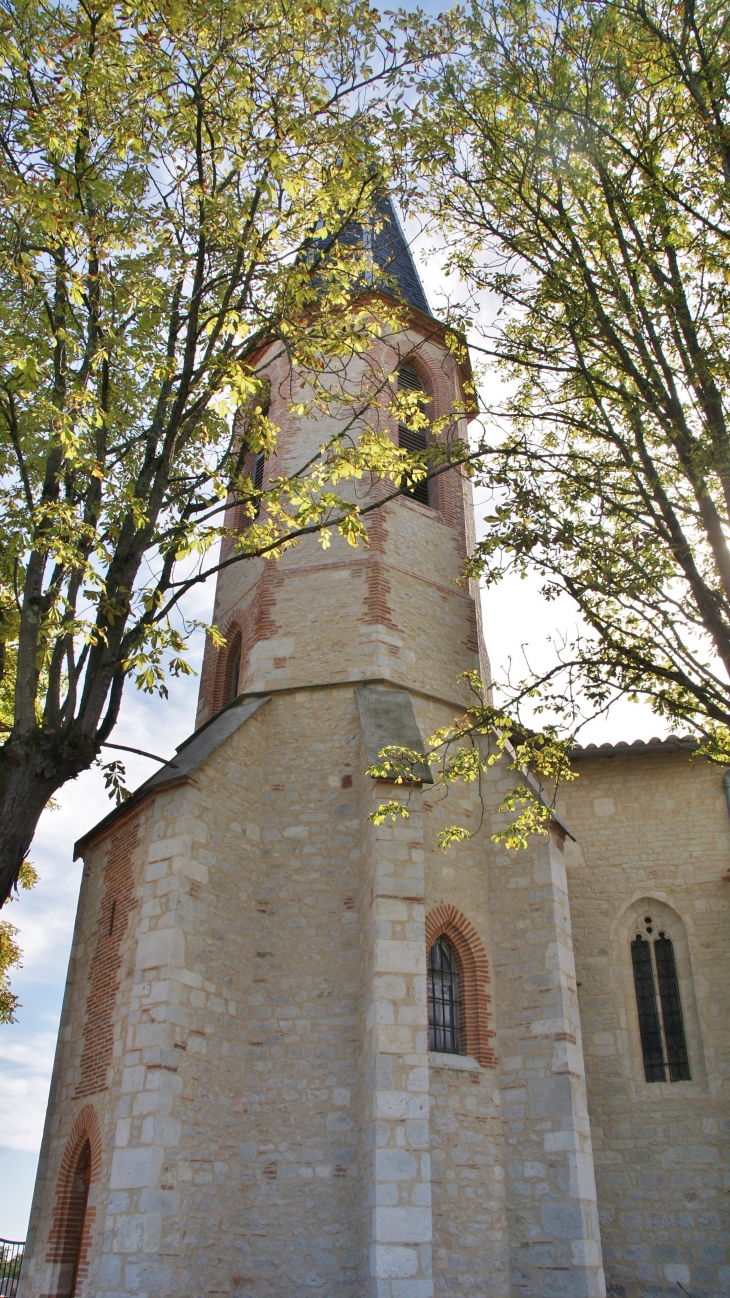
column 639, row 747
column 190, row 754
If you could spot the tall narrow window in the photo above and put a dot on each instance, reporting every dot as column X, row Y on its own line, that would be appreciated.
column 661, row 1028
column 235, row 673
column 259, row 464
column 443, row 998
column 232, row 670
column 410, row 439
column 646, row 1003
column 674, row 1039
column 258, row 478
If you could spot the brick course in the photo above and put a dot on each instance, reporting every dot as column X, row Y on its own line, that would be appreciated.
column 117, row 904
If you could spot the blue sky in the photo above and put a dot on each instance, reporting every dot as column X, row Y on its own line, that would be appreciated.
column 515, row 615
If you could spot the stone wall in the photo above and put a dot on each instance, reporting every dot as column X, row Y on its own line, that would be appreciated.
column 513, row 1158
column 270, row 1119
column 654, row 836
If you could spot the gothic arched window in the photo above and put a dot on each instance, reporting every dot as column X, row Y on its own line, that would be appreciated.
column 443, row 998
column 413, row 439
column 661, row 1027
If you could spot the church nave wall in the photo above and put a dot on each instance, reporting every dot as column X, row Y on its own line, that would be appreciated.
column 653, row 844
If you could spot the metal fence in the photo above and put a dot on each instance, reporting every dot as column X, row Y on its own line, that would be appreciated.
column 11, row 1257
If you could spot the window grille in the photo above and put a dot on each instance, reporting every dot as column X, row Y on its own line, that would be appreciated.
column 413, row 440
column 443, row 998
column 661, row 1027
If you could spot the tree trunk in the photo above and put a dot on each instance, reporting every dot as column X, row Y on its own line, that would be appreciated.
column 31, row 772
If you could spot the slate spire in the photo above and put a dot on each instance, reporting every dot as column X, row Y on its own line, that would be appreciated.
column 393, row 255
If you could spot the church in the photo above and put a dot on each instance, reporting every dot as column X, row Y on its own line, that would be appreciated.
column 301, row 1053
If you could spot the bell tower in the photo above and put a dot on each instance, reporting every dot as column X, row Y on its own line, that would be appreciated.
column 327, row 617
column 280, row 1087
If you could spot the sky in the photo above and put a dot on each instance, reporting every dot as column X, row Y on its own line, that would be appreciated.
column 515, row 616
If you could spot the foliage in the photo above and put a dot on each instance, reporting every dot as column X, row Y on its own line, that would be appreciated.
column 174, row 179
column 10, row 951
column 577, row 156
column 465, row 750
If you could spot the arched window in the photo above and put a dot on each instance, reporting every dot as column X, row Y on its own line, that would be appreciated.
column 69, row 1237
column 413, row 439
column 443, row 998
column 232, row 669
column 661, row 1027
column 450, row 937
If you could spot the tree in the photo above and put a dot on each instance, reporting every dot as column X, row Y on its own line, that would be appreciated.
column 577, row 156
column 174, row 179
column 10, row 953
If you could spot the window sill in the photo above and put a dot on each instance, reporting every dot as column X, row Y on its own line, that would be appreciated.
column 419, row 505
column 459, row 1063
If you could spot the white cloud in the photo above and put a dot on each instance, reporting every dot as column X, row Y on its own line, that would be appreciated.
column 24, row 1080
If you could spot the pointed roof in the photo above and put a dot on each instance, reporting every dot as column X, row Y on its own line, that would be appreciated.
column 389, row 248
column 393, row 255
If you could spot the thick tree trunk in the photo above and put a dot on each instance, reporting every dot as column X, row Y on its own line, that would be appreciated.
column 30, row 773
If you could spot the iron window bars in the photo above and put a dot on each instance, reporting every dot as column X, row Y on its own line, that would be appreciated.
column 663, row 1044
column 443, row 998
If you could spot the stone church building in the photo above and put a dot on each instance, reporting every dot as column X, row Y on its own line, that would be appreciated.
column 301, row 1054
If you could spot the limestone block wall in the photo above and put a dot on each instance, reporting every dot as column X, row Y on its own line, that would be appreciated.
column 245, row 1037
column 470, row 1244
column 394, row 1108
column 467, row 1159
column 381, row 604
column 654, row 836
column 88, row 1058
column 554, row 1235
column 229, row 1142
column 513, row 1190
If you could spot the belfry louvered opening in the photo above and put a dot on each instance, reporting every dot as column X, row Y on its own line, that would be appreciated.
column 259, row 465
column 661, row 1027
column 413, row 440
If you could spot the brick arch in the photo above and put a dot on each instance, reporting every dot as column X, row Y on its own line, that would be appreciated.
column 70, row 1234
column 413, row 360
column 446, row 921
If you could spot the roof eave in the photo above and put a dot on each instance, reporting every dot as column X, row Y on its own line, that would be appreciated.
column 639, row 748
